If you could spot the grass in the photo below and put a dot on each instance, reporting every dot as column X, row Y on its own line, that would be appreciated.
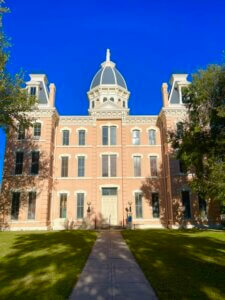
column 181, row 264
column 37, row 265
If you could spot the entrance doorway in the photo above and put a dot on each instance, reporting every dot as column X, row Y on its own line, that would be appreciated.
column 109, row 206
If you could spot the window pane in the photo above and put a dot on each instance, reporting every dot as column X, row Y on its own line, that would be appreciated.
column 35, row 162
column 31, row 205
column 105, row 169
column 155, row 205
column 81, row 137
column 33, row 91
column 80, row 206
column 112, row 135
column 37, row 129
column 136, row 137
column 138, row 205
column 15, row 205
column 105, row 135
column 180, row 129
column 66, row 134
column 152, row 137
column 63, row 203
column 202, row 206
column 137, row 165
column 81, row 161
column 109, row 191
column 19, row 163
column 64, row 167
column 113, row 165
column 153, row 165
column 186, row 204
column 21, row 133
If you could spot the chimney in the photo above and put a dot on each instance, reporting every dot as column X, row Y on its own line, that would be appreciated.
column 165, row 94
column 52, row 94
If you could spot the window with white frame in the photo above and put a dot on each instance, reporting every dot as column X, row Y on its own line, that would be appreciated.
column 62, row 205
column 152, row 137
column 65, row 137
column 81, row 137
column 81, row 166
column 137, row 165
column 37, row 130
column 109, row 165
column 138, row 205
column 31, row 205
column 136, row 137
column 33, row 90
column 80, row 205
column 153, row 165
column 108, row 135
column 64, row 166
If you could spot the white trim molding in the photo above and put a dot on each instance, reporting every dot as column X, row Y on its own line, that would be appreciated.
column 80, row 191
column 65, row 128
column 153, row 154
column 110, row 186
column 108, row 153
column 64, row 155
column 109, row 124
column 81, row 154
column 137, row 154
column 136, row 191
column 153, row 128
column 135, row 128
column 63, row 192
column 81, row 128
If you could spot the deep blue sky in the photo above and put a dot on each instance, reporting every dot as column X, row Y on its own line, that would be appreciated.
column 148, row 40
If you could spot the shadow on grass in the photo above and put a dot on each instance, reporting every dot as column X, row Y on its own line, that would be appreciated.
column 43, row 265
column 181, row 264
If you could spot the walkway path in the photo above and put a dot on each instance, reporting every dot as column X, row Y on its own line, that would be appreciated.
column 111, row 273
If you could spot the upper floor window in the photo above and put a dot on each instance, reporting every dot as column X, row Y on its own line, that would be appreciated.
column 109, row 135
column 152, row 137
column 155, row 205
column 81, row 137
column 65, row 137
column 80, row 205
column 21, row 133
column 136, row 137
column 93, row 104
column 124, row 104
column 37, row 130
column 64, row 166
column 153, row 165
column 137, row 166
column 63, row 205
column 15, row 205
column 35, row 155
column 81, row 166
column 138, row 205
column 33, row 90
column 180, row 129
column 182, row 167
column 109, row 165
column 111, row 99
column 19, row 163
column 31, row 205
column 104, row 99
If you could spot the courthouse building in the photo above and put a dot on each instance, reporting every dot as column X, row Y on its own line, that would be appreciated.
column 97, row 170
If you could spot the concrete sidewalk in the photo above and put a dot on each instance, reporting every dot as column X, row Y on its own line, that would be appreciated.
column 112, row 273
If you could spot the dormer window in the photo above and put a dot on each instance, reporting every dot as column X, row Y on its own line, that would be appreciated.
column 111, row 99
column 33, row 91
column 104, row 99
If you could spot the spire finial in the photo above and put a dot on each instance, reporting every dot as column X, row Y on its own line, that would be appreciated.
column 107, row 55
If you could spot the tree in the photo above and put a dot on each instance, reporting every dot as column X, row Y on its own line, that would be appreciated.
column 201, row 146
column 14, row 101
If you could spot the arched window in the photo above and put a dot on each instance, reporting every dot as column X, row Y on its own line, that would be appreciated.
column 136, row 137
column 93, row 104
column 152, row 137
column 111, row 99
column 104, row 99
column 124, row 104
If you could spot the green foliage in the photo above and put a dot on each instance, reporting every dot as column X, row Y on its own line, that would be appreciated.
column 14, row 101
column 202, row 144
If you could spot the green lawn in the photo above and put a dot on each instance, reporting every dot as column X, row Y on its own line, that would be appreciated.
column 37, row 265
column 181, row 264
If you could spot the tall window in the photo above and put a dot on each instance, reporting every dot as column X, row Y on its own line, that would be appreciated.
column 63, row 204
column 152, row 137
column 109, row 135
column 153, row 165
column 33, row 91
column 21, row 133
column 155, row 205
column 109, row 165
column 180, row 129
column 182, row 167
column 35, row 155
column 81, row 166
column 137, row 166
column 136, row 137
column 64, row 166
column 202, row 206
column 37, row 130
column 80, row 205
column 81, row 137
column 15, row 205
column 66, row 136
column 138, row 205
column 31, row 205
column 19, row 163
column 186, row 204
column 124, row 104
